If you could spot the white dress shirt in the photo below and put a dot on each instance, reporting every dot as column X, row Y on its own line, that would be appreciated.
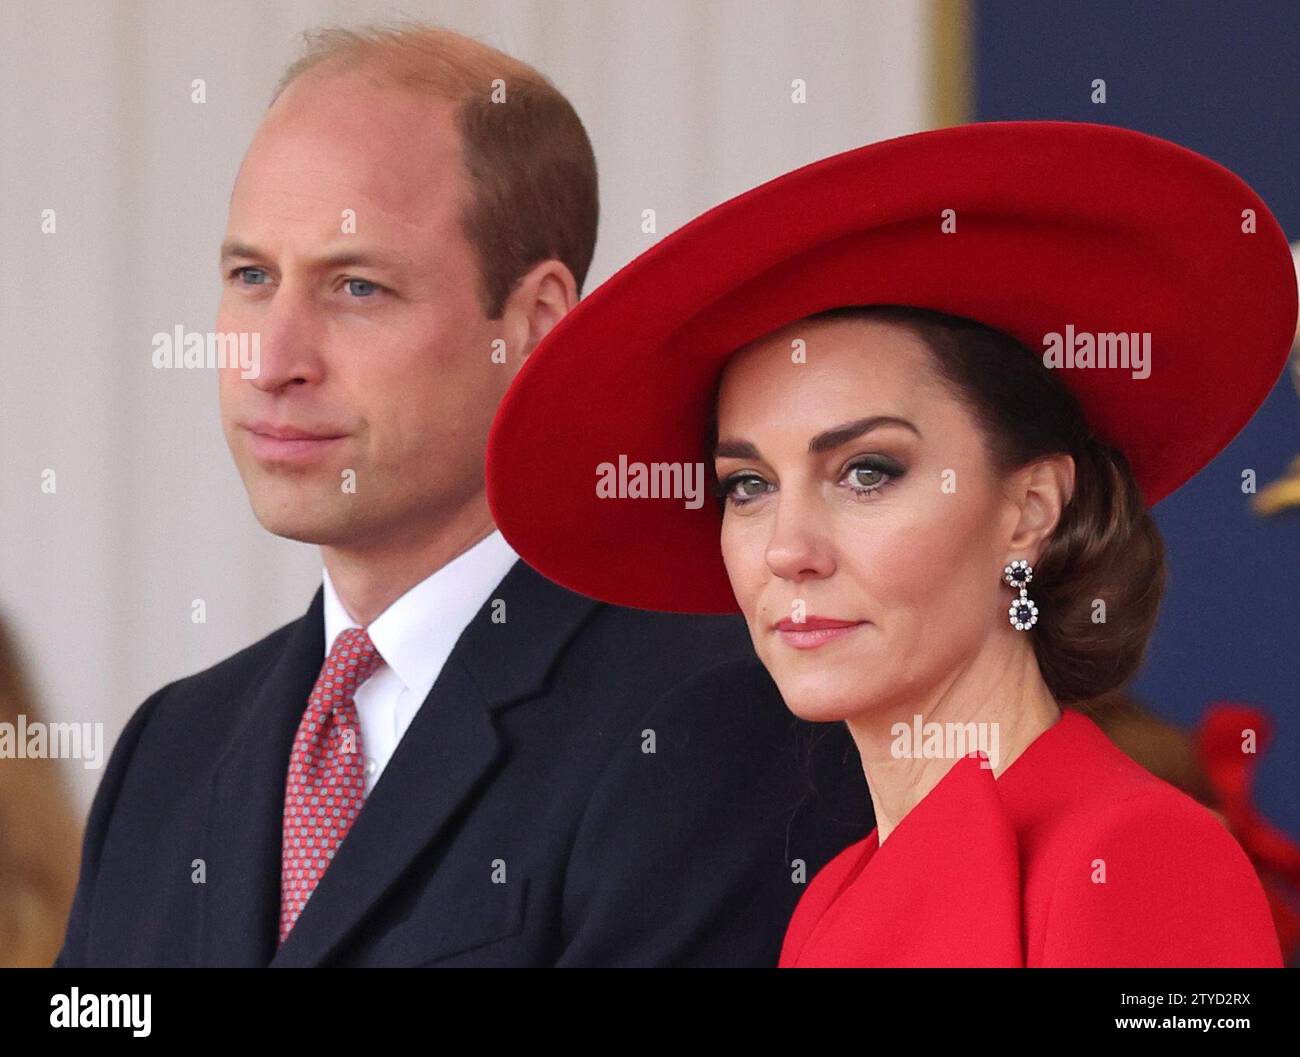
column 415, row 636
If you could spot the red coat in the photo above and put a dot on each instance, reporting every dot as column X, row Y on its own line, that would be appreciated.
column 1009, row 872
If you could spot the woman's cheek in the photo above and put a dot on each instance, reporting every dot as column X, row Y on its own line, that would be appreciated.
column 740, row 556
column 942, row 576
column 911, row 562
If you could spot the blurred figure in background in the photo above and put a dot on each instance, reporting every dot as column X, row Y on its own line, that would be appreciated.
column 39, row 837
column 1211, row 766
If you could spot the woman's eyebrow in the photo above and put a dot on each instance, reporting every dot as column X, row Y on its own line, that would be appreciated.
column 827, row 440
column 833, row 438
column 735, row 449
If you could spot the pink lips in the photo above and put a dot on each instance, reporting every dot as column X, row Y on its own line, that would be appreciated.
column 289, row 444
column 814, row 631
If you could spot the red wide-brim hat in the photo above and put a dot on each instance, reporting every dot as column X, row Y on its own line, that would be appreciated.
column 1057, row 223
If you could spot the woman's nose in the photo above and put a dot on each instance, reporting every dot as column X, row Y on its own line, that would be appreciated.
column 799, row 547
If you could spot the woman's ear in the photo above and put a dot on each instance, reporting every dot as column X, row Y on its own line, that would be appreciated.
column 1042, row 488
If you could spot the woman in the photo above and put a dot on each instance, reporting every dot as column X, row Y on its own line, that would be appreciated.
column 938, row 381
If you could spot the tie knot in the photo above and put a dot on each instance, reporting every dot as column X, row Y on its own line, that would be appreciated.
column 353, row 658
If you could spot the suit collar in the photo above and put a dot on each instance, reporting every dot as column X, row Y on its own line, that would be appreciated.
column 528, row 619
column 450, row 746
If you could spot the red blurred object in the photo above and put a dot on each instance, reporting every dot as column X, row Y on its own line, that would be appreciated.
column 1231, row 770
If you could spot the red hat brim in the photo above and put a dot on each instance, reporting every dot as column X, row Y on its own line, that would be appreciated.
column 1058, row 223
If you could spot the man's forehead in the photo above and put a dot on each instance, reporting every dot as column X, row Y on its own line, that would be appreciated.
column 390, row 154
column 357, row 105
column 331, row 204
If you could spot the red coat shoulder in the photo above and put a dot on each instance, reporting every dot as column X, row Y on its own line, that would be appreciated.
column 1075, row 856
column 1155, row 879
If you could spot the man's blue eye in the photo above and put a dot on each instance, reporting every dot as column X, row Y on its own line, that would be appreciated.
column 245, row 273
column 369, row 287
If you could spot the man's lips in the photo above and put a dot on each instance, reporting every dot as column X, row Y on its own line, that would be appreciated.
column 814, row 631
column 276, row 442
column 280, row 431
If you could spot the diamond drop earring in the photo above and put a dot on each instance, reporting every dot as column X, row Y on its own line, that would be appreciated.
column 1023, row 613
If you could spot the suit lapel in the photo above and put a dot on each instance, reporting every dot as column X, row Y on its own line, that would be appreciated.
column 449, row 749
column 246, row 804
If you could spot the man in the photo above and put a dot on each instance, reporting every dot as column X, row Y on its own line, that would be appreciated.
column 546, row 780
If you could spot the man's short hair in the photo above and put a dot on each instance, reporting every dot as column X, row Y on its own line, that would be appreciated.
column 529, row 162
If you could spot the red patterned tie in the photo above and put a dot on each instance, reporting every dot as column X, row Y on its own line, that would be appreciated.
column 326, row 784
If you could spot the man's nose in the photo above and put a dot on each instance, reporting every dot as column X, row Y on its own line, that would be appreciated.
column 290, row 342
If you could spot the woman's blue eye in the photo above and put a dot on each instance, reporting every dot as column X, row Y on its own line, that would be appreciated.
column 865, row 478
column 730, row 488
column 869, row 476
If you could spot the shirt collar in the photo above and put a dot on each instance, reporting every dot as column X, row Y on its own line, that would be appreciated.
column 416, row 634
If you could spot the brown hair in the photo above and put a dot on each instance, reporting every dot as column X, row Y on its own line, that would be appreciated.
column 39, row 835
column 1106, row 546
column 528, row 159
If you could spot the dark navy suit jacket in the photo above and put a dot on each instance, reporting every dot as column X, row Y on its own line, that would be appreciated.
column 584, row 785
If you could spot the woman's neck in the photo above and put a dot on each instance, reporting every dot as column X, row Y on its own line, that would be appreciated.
column 999, row 700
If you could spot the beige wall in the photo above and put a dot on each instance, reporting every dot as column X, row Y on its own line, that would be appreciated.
column 687, row 103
